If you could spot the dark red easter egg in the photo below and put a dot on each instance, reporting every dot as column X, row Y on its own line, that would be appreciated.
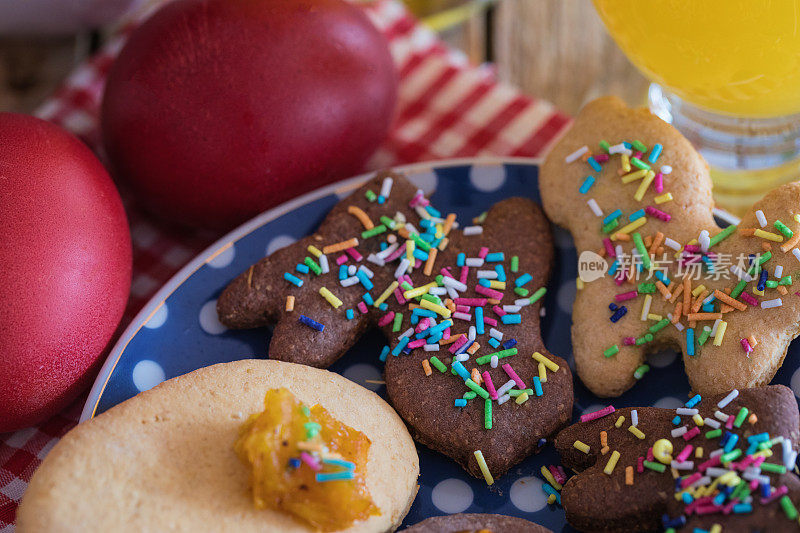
column 65, row 268
column 218, row 109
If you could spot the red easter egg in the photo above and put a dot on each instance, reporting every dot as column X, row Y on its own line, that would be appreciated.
column 65, row 252
column 218, row 109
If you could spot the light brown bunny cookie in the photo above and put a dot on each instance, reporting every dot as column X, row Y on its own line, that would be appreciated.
column 646, row 208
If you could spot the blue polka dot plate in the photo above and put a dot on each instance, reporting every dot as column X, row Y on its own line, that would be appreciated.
column 178, row 331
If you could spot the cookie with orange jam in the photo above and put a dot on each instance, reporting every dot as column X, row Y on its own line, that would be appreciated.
column 167, row 459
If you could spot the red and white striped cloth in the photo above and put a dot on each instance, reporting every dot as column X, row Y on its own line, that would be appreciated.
column 447, row 108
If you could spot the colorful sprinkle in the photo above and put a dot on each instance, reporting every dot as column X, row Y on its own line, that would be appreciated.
column 310, row 322
column 580, row 446
column 484, row 467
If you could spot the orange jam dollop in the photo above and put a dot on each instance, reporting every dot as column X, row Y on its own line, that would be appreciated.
column 306, row 463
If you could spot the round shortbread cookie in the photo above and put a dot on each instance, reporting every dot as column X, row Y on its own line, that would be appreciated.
column 468, row 523
column 164, row 460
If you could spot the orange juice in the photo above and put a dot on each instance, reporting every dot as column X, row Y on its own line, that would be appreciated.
column 735, row 57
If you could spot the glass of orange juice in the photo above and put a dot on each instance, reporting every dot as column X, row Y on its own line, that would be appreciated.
column 726, row 73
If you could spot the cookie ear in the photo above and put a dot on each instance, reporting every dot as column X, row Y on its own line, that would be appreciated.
column 771, row 317
column 258, row 296
column 519, row 228
column 295, row 341
column 603, row 498
column 595, row 500
column 518, row 224
column 772, row 514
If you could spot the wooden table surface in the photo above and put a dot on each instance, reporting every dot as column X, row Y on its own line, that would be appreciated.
column 557, row 50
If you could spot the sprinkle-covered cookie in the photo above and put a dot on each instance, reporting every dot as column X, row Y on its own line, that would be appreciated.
column 459, row 302
column 720, row 462
column 637, row 199
column 476, row 523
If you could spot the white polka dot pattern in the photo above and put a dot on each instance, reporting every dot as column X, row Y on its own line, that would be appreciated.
column 426, row 181
column 795, row 382
column 527, row 495
column 487, row 178
column 147, row 374
column 224, row 258
column 159, row 318
column 669, row 402
column 452, row 496
column 281, row 241
column 209, row 320
column 364, row 375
